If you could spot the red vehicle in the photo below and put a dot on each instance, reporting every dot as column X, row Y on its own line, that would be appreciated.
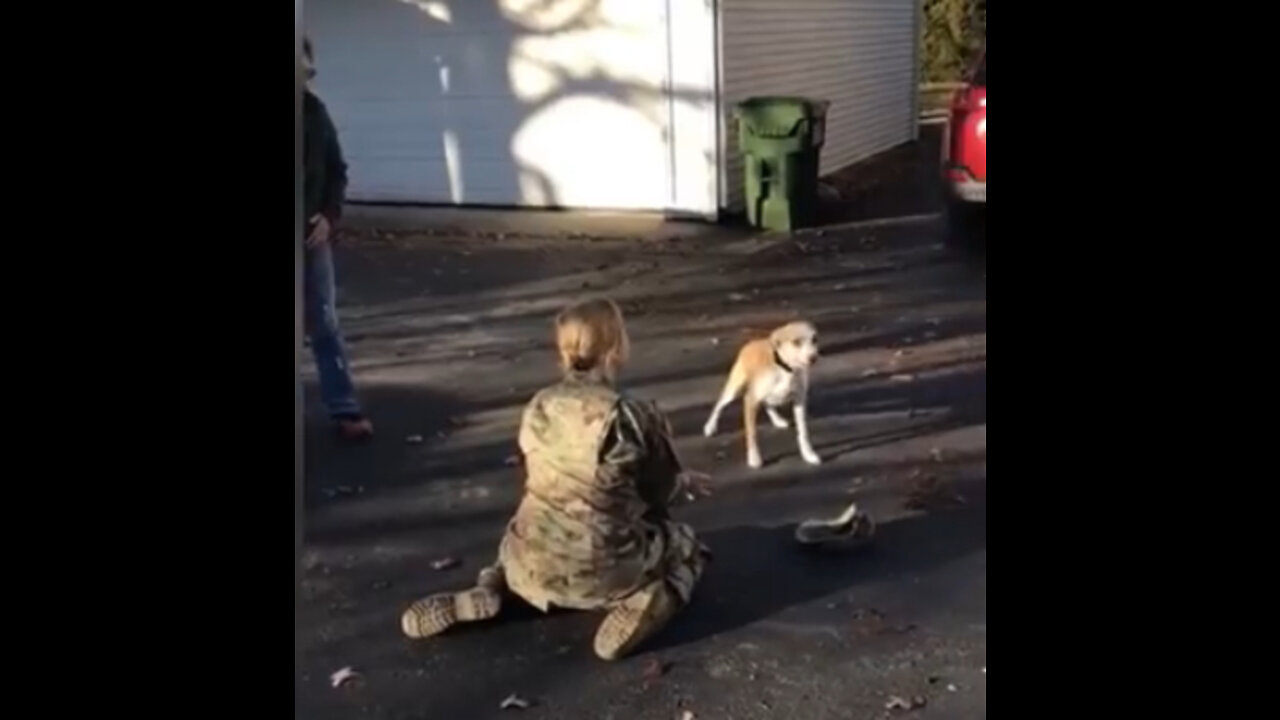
column 964, row 159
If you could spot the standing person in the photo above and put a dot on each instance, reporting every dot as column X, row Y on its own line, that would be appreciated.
column 592, row 531
column 324, row 188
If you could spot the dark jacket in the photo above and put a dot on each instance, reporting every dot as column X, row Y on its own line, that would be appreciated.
column 324, row 183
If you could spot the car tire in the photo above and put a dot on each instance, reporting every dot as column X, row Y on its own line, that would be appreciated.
column 965, row 226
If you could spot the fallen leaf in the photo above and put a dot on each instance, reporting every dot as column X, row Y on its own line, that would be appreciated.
column 447, row 563
column 413, row 439
column 902, row 378
column 868, row 621
column 514, row 701
column 896, row 629
column 655, row 669
column 929, row 492
column 951, row 688
column 342, row 676
column 512, row 460
column 897, row 703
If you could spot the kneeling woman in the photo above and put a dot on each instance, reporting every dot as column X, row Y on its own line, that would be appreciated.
column 592, row 530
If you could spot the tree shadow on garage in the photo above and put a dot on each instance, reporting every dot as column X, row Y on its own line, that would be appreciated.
column 476, row 74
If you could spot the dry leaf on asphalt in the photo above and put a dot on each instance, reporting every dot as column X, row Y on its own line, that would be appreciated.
column 514, row 701
column 654, row 669
column 928, row 492
column 898, row 703
column 447, row 563
column 342, row 676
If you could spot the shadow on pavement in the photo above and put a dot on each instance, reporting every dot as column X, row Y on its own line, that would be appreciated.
column 334, row 467
column 759, row 572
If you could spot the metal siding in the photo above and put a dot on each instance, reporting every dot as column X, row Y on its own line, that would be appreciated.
column 858, row 54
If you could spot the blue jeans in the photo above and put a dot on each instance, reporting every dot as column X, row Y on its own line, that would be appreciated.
column 320, row 313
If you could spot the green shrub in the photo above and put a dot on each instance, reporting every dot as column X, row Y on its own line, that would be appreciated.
column 952, row 31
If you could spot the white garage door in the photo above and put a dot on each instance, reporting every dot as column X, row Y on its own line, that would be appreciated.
column 550, row 103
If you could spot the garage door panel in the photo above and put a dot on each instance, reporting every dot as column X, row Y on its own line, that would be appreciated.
column 493, row 107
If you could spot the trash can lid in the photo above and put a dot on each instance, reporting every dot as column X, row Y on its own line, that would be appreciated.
column 778, row 116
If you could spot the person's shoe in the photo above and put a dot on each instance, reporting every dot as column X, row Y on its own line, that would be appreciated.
column 853, row 529
column 353, row 428
column 635, row 620
column 434, row 614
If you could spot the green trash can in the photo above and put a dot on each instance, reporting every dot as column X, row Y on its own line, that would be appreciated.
column 781, row 139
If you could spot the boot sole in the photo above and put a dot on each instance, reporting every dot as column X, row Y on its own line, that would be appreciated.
column 626, row 627
column 433, row 615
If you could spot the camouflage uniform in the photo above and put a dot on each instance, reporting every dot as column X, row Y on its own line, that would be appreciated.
column 592, row 531
column 593, row 528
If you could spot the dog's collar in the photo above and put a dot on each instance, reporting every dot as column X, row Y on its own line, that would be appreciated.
column 782, row 363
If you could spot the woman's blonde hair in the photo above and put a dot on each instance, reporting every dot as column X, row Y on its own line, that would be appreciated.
column 591, row 335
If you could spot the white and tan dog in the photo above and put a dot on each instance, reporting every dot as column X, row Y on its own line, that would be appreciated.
column 772, row 371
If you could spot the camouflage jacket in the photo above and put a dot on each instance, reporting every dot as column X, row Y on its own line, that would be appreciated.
column 601, row 473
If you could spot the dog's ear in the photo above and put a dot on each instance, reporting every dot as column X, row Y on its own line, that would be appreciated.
column 775, row 338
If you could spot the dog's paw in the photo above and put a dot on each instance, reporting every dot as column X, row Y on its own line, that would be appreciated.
column 753, row 460
column 811, row 457
column 709, row 429
column 779, row 422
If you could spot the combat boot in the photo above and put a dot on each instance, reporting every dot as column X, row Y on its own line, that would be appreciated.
column 434, row 614
column 635, row 620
